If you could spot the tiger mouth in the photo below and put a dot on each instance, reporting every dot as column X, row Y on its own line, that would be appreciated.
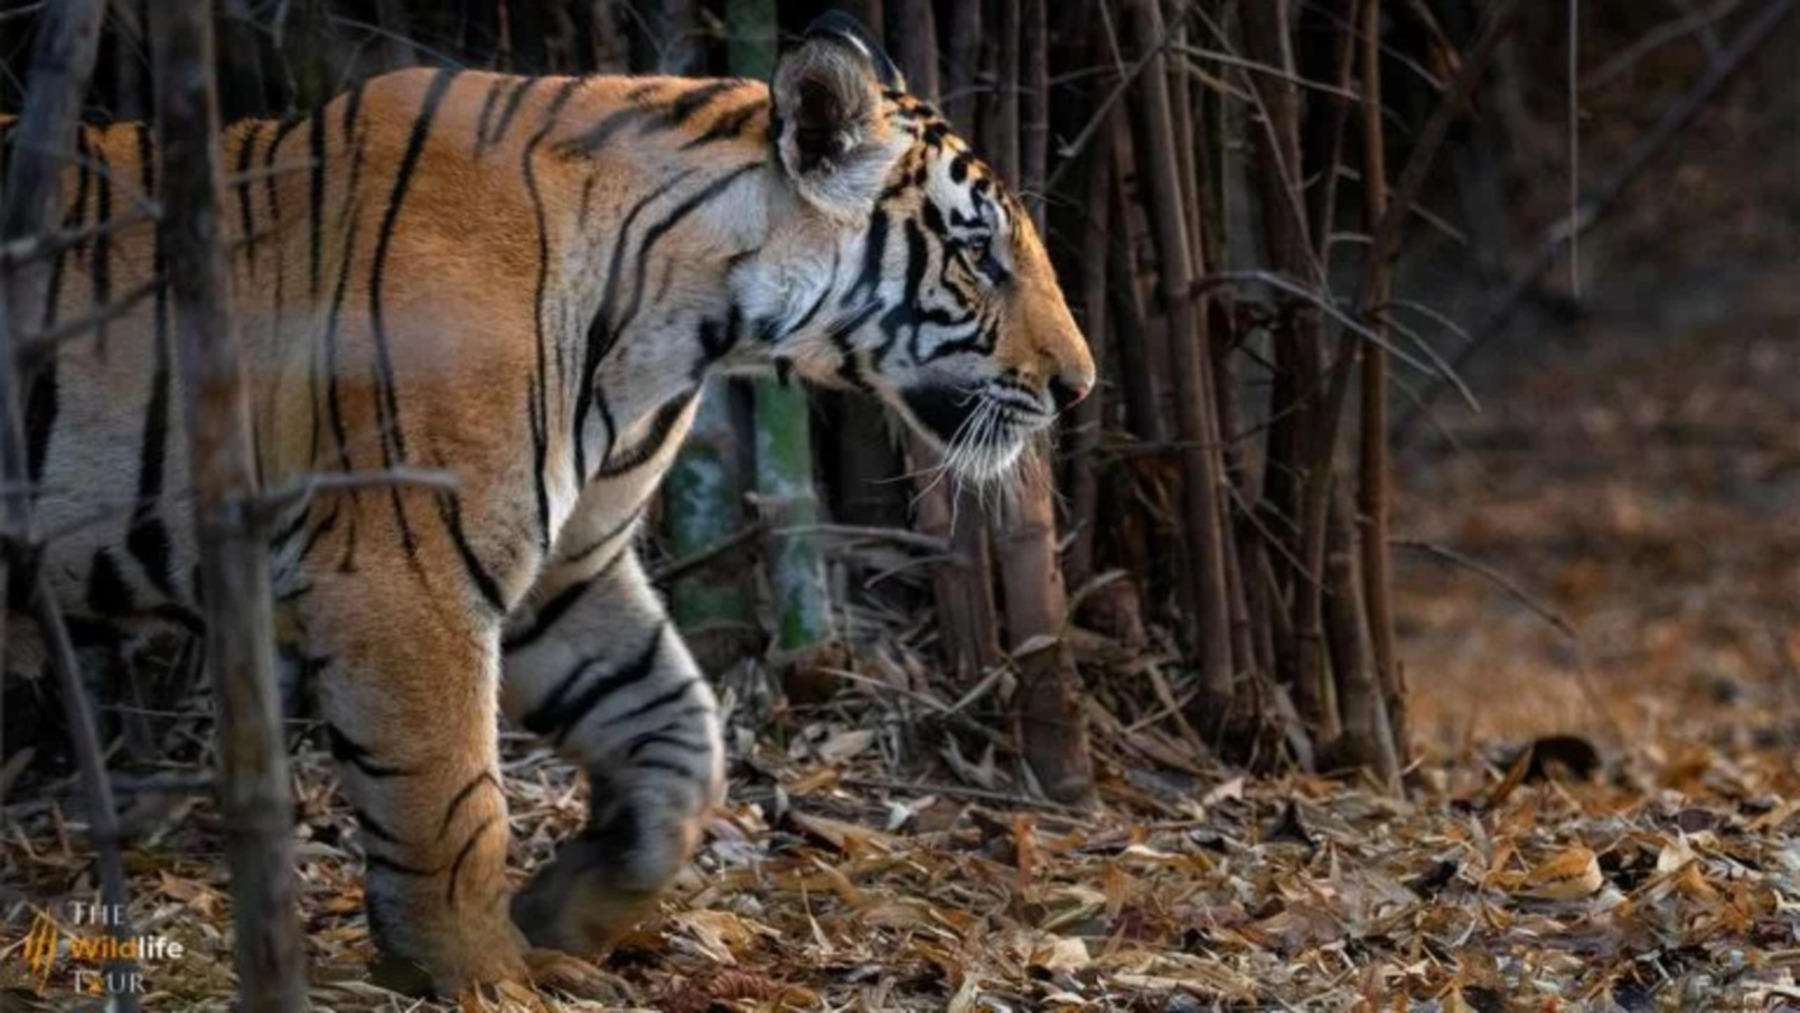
column 980, row 432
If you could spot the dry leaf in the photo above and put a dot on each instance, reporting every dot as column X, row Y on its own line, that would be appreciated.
column 1568, row 875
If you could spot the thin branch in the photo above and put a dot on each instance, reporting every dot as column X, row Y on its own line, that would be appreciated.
column 299, row 491
column 1299, row 291
column 678, row 568
column 1067, row 152
column 899, row 536
column 44, row 342
column 1494, row 577
column 31, row 248
column 1233, row 60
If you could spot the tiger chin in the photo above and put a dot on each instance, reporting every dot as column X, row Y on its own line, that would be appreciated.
column 524, row 282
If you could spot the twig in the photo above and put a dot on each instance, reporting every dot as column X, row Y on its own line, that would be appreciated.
column 43, row 342
column 1694, row 22
column 261, row 173
column 17, row 13
column 31, row 248
column 1494, row 577
column 299, row 491
column 1244, row 63
column 103, row 818
column 678, row 568
column 1067, row 152
column 1299, row 291
column 961, row 791
column 901, row 536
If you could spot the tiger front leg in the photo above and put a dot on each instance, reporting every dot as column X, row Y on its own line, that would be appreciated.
column 599, row 671
column 407, row 688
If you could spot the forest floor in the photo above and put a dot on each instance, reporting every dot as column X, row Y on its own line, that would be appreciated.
column 1635, row 483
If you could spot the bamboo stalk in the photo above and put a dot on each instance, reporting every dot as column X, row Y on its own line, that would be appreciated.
column 234, row 560
column 1196, row 415
column 1367, row 741
column 1052, row 732
column 1090, row 415
column 962, row 586
column 1373, row 490
column 63, row 58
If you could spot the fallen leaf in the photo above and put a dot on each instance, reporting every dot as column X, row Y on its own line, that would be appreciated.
column 1567, row 875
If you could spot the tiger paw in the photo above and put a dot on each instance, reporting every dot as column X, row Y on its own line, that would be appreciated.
column 556, row 971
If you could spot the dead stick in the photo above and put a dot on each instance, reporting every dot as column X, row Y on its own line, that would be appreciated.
column 255, row 795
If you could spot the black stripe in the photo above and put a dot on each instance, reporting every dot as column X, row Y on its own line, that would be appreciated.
column 546, row 616
column 874, row 252
column 463, row 795
column 148, row 540
column 487, row 112
column 41, row 405
column 559, row 715
column 371, row 827
column 463, row 854
column 272, row 190
column 687, row 104
column 538, row 410
column 601, row 332
column 576, row 558
column 450, row 512
column 666, row 766
column 391, row 865
column 662, row 424
column 74, row 218
column 513, row 101
column 246, row 216
column 107, row 592
column 344, row 749
column 333, row 320
column 727, row 127
column 315, row 202
column 319, row 531
column 655, row 233
column 352, row 109
column 100, row 264
column 600, row 134
column 650, row 740
column 817, row 304
column 387, row 404
column 655, row 703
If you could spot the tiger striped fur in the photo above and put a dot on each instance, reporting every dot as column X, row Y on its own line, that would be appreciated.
column 523, row 281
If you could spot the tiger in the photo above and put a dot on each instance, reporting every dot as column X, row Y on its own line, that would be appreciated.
column 524, row 282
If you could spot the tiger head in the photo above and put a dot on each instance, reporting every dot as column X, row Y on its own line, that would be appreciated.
column 905, row 267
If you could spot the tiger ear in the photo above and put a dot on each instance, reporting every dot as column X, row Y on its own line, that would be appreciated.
column 833, row 141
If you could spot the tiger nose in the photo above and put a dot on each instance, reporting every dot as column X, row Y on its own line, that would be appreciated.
column 1069, row 391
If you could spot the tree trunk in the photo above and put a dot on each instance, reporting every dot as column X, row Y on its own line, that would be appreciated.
column 1373, row 494
column 962, row 66
column 1276, row 140
column 1367, row 741
column 915, row 38
column 234, row 560
column 1052, row 733
column 1083, row 436
column 962, row 587
column 611, row 45
column 62, row 64
column 1196, row 413
column 784, row 465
